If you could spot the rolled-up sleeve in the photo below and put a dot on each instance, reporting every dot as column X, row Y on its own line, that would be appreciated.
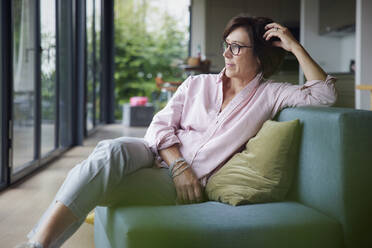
column 161, row 133
column 314, row 92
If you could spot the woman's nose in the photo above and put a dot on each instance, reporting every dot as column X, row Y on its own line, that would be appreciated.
column 227, row 53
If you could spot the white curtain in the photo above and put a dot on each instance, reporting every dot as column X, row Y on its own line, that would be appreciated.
column 24, row 51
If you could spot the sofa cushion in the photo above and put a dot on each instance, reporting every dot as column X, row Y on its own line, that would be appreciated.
column 214, row 224
column 262, row 172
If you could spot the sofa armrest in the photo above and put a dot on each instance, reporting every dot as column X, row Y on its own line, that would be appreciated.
column 335, row 167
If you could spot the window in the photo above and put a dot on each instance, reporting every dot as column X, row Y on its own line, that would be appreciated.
column 90, row 66
column 48, row 76
column 98, row 67
column 93, row 77
column 43, row 87
column 24, row 97
column 34, row 92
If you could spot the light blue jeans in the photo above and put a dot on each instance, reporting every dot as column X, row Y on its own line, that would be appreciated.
column 111, row 176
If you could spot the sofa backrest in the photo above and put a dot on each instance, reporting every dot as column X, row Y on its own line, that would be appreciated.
column 334, row 173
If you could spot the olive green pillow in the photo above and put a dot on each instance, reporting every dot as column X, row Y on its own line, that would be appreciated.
column 263, row 171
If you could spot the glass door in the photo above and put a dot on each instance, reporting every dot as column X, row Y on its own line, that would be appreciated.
column 94, row 63
column 48, row 75
column 98, row 65
column 34, row 98
column 24, row 82
column 90, row 83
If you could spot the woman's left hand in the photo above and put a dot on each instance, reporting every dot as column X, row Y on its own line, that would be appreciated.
column 287, row 41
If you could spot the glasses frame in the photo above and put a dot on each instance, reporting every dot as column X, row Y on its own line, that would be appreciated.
column 226, row 45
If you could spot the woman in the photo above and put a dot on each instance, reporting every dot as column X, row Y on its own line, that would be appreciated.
column 209, row 118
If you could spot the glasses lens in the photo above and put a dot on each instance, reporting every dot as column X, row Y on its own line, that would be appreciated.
column 235, row 48
column 224, row 45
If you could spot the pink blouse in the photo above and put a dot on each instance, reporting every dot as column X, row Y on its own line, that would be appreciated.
column 207, row 138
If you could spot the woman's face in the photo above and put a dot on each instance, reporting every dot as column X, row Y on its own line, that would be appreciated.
column 244, row 65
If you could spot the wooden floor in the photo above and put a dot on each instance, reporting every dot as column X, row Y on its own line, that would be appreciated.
column 22, row 204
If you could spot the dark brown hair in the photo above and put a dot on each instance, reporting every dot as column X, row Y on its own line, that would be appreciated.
column 270, row 57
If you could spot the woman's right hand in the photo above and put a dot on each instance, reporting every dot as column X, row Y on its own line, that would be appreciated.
column 188, row 187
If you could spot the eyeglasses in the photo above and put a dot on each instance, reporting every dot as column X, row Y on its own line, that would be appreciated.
column 234, row 48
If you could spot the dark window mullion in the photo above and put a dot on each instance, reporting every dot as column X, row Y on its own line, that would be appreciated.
column 6, row 87
column 85, row 85
column 107, row 83
column 101, row 89
column 57, row 110
column 94, row 63
column 80, row 42
column 38, row 50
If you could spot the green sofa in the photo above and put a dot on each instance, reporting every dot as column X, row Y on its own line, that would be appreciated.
column 329, row 205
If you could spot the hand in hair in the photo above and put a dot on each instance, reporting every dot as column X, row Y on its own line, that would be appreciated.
column 311, row 69
column 286, row 39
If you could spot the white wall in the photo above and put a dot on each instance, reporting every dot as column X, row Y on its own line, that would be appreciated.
column 347, row 52
column 323, row 49
column 198, row 33
column 217, row 18
column 333, row 54
column 363, row 74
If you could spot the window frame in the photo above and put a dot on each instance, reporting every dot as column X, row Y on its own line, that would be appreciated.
column 98, row 80
column 5, row 77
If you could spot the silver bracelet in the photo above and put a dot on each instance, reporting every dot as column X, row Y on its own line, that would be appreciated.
column 181, row 171
column 177, row 167
column 174, row 163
